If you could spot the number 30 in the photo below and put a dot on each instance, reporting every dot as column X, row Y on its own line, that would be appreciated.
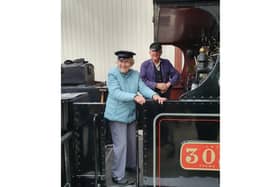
column 192, row 157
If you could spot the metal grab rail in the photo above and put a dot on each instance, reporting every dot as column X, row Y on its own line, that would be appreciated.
column 95, row 148
column 66, row 137
column 65, row 142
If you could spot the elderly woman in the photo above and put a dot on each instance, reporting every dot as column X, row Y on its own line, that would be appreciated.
column 124, row 84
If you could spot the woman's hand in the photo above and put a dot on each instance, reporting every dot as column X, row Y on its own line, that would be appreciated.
column 159, row 99
column 139, row 99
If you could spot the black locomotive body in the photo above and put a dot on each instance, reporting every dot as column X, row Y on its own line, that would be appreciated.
column 178, row 142
column 166, row 129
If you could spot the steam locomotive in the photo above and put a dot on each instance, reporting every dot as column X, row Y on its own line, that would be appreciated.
column 178, row 142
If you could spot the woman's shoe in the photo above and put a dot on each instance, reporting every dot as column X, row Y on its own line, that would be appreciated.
column 122, row 181
column 131, row 181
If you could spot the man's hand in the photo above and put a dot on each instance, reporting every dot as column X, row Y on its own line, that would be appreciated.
column 159, row 99
column 139, row 99
column 161, row 86
column 168, row 85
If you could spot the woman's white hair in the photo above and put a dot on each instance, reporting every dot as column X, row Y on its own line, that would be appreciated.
column 131, row 60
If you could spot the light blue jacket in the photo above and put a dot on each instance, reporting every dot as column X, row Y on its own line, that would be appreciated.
column 120, row 104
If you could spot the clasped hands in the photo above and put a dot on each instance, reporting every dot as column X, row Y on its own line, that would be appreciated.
column 163, row 87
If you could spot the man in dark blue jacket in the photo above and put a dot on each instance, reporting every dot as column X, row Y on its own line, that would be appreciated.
column 158, row 73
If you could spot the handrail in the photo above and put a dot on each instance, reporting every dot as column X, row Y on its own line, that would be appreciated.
column 66, row 137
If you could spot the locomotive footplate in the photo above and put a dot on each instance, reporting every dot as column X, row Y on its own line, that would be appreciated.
column 92, row 147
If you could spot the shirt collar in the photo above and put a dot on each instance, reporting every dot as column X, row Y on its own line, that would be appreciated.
column 157, row 65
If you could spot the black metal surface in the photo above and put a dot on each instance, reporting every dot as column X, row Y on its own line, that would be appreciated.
column 172, row 134
column 89, row 144
column 94, row 95
column 67, row 101
column 209, row 88
column 66, row 134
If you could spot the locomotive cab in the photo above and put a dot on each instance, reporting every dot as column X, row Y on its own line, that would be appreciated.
column 193, row 27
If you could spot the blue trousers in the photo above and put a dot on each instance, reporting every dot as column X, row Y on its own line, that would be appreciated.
column 124, row 147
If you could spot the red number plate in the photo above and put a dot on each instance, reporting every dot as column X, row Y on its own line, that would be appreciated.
column 200, row 156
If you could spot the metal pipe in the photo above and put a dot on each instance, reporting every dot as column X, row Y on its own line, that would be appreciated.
column 66, row 137
column 95, row 148
column 67, row 162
